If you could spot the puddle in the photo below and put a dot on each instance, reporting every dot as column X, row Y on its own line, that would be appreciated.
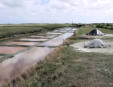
column 66, row 29
column 22, row 61
column 43, row 37
column 73, row 28
column 56, row 31
column 1, row 57
column 63, row 31
column 22, row 43
column 58, row 40
column 32, row 40
column 53, row 33
column 60, row 31
column 50, row 36
column 37, row 36
column 10, row 50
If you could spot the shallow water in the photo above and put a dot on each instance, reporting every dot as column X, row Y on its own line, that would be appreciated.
column 54, row 33
column 21, row 43
column 24, row 60
column 10, row 50
column 33, row 40
column 47, row 36
column 1, row 56
column 58, row 40
column 37, row 36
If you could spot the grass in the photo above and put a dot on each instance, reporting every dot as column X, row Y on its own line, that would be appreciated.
column 66, row 67
column 7, row 31
column 87, row 29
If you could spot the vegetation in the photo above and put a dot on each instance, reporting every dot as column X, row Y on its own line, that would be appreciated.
column 66, row 67
column 86, row 29
column 105, row 25
column 23, row 29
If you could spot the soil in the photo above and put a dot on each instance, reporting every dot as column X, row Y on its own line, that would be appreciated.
column 80, row 47
column 10, row 50
column 21, row 43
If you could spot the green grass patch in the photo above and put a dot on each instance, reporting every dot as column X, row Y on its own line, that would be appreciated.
column 23, row 29
column 85, row 30
column 66, row 67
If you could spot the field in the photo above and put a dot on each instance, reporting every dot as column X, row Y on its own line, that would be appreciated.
column 66, row 67
column 87, row 29
column 17, row 55
column 17, row 30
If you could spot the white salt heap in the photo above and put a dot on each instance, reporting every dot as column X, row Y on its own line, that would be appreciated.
column 96, row 43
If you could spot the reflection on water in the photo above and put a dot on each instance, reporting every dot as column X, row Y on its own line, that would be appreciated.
column 21, row 43
column 22, row 61
column 32, row 40
column 58, row 40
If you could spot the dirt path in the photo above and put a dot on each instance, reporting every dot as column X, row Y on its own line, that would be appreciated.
column 23, row 59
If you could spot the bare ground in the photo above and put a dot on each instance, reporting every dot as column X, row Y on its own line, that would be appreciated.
column 80, row 47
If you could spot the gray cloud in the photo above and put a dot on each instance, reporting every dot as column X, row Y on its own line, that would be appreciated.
column 56, row 10
column 12, row 3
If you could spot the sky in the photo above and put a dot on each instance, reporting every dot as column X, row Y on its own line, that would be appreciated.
column 56, row 11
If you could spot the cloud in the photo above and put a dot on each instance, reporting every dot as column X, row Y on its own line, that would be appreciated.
column 12, row 3
column 19, row 3
column 56, row 10
column 2, row 5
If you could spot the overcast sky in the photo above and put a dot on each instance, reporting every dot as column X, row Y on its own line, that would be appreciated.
column 56, row 11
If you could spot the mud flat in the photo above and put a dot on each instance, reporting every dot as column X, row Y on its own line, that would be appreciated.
column 51, row 36
column 32, row 40
column 58, row 40
column 10, row 50
column 37, row 36
column 1, row 56
column 22, row 61
column 22, row 43
column 47, row 36
column 53, row 33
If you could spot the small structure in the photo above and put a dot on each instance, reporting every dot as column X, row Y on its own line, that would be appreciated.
column 96, row 43
column 95, row 32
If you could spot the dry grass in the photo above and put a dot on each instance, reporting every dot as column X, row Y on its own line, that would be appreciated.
column 66, row 67
column 16, row 30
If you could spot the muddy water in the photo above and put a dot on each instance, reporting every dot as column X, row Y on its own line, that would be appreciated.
column 32, row 40
column 19, row 63
column 10, row 50
column 22, row 43
column 24, row 60
column 57, row 41
column 1, row 56
column 43, row 37
column 53, row 33
column 37, row 36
